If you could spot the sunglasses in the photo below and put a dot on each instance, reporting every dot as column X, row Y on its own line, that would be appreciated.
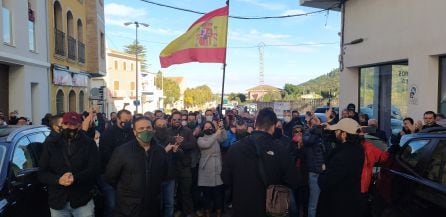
column 298, row 131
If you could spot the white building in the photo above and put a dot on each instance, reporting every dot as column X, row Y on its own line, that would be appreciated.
column 152, row 97
column 24, row 67
column 120, row 82
column 393, row 60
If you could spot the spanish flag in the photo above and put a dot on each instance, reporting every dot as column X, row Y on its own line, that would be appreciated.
column 204, row 41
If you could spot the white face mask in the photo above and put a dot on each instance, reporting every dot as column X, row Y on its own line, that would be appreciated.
column 287, row 119
column 208, row 118
column 184, row 123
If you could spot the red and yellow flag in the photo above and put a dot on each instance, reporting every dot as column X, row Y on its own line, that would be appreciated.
column 204, row 41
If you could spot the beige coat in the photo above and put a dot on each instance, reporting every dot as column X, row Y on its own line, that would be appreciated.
column 210, row 161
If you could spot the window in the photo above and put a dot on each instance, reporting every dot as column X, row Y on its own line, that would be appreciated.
column 31, row 28
column 116, row 85
column 72, row 101
column 132, row 85
column 7, row 25
column 131, row 67
column 116, row 65
column 22, row 158
column 442, row 86
column 412, row 152
column 37, row 137
column 125, row 66
column 2, row 156
column 436, row 170
column 384, row 95
column 32, row 36
column 59, row 102
column 102, row 45
column 81, row 101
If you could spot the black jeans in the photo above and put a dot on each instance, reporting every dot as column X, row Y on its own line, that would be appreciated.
column 197, row 194
column 184, row 183
column 213, row 195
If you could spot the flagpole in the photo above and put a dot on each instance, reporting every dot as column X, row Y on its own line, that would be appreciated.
column 224, row 64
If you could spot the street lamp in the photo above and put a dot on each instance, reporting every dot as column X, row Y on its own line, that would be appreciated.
column 136, row 60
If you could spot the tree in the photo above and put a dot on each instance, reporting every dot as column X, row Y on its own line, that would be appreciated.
column 158, row 81
column 132, row 49
column 234, row 96
column 197, row 96
column 171, row 91
column 271, row 96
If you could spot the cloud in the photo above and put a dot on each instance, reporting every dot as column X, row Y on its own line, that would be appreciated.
column 269, row 6
column 293, row 12
column 120, row 10
column 151, row 29
column 254, row 36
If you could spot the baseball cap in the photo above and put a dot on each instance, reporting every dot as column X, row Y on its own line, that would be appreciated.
column 346, row 124
column 72, row 118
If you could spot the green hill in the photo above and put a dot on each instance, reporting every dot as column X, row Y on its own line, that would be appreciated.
column 324, row 85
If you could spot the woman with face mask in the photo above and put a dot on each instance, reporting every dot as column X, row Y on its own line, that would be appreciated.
column 210, row 166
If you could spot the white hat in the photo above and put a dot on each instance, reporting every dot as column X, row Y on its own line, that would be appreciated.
column 346, row 124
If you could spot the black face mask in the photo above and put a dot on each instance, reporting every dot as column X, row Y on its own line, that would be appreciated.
column 278, row 133
column 69, row 133
column 126, row 125
column 161, row 133
column 209, row 131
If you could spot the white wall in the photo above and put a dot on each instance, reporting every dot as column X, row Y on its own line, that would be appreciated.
column 397, row 30
column 21, row 79
column 20, row 47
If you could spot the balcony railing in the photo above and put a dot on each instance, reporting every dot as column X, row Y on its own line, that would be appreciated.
column 60, row 42
column 71, row 48
column 81, row 51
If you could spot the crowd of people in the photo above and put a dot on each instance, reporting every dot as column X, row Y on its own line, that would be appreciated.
column 203, row 163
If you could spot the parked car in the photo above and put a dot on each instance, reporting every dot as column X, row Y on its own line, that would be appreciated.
column 21, row 194
column 413, row 182
column 323, row 109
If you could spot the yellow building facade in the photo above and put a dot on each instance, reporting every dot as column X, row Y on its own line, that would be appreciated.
column 74, row 60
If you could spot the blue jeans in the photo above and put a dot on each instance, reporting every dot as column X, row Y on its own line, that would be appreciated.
column 84, row 211
column 109, row 196
column 168, row 192
column 314, row 194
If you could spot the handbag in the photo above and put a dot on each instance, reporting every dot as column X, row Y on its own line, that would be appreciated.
column 277, row 196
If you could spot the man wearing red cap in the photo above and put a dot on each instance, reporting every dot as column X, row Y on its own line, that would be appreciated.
column 69, row 167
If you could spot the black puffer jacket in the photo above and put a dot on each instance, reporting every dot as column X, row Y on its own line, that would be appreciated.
column 84, row 165
column 137, row 175
column 314, row 152
column 340, row 184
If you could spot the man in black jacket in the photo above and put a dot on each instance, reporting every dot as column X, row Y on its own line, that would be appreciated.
column 113, row 137
column 136, row 170
column 241, row 167
column 69, row 166
column 183, row 136
column 172, row 153
column 340, row 183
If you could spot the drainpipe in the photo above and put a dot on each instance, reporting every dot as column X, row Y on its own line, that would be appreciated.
column 341, row 55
